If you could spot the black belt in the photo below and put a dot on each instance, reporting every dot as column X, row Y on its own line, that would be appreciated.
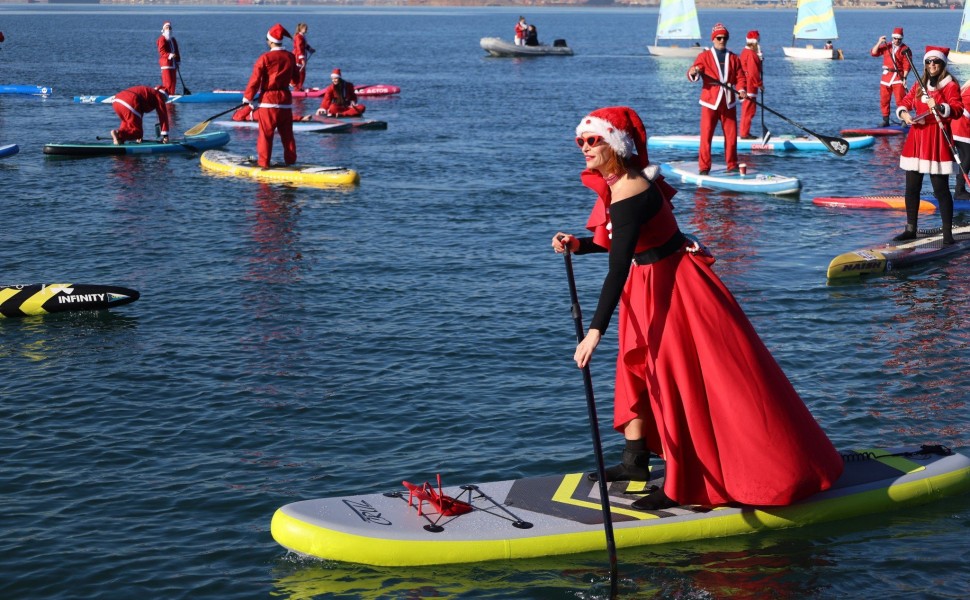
column 648, row 257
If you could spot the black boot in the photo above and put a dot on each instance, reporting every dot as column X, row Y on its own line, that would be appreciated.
column 960, row 190
column 655, row 500
column 885, row 121
column 908, row 234
column 634, row 465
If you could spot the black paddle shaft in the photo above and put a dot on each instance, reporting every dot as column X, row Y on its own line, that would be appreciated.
column 834, row 144
column 594, row 429
column 185, row 89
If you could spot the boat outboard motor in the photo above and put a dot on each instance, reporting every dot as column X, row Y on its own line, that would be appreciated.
column 559, row 43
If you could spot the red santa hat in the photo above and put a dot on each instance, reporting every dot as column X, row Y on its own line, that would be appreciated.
column 898, row 33
column 335, row 73
column 936, row 52
column 621, row 128
column 753, row 36
column 276, row 34
column 166, row 24
column 719, row 29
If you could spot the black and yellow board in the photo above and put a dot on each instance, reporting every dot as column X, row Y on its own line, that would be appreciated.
column 878, row 260
column 43, row 298
column 562, row 514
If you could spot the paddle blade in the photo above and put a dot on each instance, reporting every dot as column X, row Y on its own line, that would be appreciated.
column 198, row 128
column 835, row 145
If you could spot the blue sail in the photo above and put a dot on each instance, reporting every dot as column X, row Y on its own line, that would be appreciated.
column 816, row 20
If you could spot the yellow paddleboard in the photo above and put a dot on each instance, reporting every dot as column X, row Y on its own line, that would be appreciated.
column 240, row 166
column 896, row 255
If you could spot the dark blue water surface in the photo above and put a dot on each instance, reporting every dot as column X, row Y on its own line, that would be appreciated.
column 293, row 343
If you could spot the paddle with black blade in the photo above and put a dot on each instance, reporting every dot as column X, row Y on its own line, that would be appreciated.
column 201, row 126
column 836, row 145
column 594, row 426
column 946, row 136
column 185, row 88
column 765, row 133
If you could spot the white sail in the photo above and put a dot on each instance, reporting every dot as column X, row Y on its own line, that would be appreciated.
column 962, row 57
column 677, row 21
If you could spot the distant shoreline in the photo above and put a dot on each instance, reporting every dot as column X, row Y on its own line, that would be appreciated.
column 526, row 4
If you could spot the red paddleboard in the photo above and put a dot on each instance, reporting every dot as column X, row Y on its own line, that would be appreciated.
column 307, row 93
column 879, row 202
column 877, row 131
column 377, row 89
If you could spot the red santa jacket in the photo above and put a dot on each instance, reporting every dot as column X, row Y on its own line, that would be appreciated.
column 712, row 94
column 751, row 63
column 893, row 73
column 925, row 143
column 300, row 48
column 961, row 125
column 271, row 78
column 166, row 47
column 333, row 99
column 142, row 99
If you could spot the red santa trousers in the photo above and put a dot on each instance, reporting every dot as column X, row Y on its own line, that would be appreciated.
column 748, row 110
column 168, row 81
column 729, row 125
column 270, row 121
column 887, row 91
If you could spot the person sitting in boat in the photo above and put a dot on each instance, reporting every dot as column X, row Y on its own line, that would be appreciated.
column 751, row 61
column 131, row 105
column 895, row 70
column 828, row 45
column 684, row 340
column 532, row 36
column 520, row 30
column 340, row 98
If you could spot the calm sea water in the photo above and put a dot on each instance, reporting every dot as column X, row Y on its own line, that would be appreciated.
column 299, row 343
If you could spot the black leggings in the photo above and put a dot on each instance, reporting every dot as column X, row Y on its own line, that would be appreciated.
column 941, row 189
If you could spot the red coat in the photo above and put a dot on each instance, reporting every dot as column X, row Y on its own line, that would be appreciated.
column 300, row 48
column 332, row 101
column 961, row 125
column 139, row 100
column 751, row 63
column 166, row 47
column 893, row 73
column 712, row 94
column 520, row 29
column 926, row 149
column 271, row 78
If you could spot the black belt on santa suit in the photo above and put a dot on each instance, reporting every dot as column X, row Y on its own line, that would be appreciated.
column 671, row 246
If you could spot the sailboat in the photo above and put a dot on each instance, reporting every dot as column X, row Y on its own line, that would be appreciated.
column 957, row 56
column 678, row 22
column 815, row 22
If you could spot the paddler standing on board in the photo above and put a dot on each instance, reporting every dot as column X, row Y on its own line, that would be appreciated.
column 961, row 139
column 302, row 51
column 751, row 61
column 270, row 82
column 895, row 70
column 131, row 105
column 168, row 57
column 718, row 68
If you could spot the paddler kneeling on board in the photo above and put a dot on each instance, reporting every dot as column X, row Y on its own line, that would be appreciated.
column 340, row 98
column 695, row 384
column 131, row 105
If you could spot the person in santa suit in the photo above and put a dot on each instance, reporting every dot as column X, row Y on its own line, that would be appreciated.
column 751, row 60
column 895, row 70
column 683, row 340
column 168, row 57
column 268, row 93
column 131, row 105
column 340, row 98
column 302, row 51
column 927, row 149
column 718, row 64
column 960, row 126
column 521, row 28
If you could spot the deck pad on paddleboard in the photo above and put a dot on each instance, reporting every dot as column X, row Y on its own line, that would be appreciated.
column 780, row 143
column 40, row 298
column 720, row 179
column 192, row 143
column 354, row 122
column 926, row 203
column 241, row 166
column 562, row 514
column 893, row 255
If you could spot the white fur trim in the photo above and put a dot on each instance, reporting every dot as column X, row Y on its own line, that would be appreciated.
column 274, row 40
column 651, row 172
column 750, row 40
column 618, row 139
column 935, row 54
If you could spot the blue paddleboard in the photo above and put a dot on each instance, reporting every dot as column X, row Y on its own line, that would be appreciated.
column 781, row 143
column 719, row 179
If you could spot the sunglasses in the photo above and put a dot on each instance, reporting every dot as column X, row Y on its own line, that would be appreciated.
column 933, row 61
column 591, row 140
column 720, row 38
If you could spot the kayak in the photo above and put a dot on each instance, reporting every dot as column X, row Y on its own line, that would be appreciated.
column 719, row 179
column 377, row 89
column 877, row 131
column 894, row 255
column 926, row 204
column 499, row 47
column 237, row 165
column 193, row 143
column 780, row 143
column 352, row 122
column 562, row 514
column 200, row 98
column 40, row 298
column 338, row 127
column 9, row 150
column 29, row 90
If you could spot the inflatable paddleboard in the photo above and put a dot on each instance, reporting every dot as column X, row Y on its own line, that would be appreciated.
column 877, row 131
column 896, row 255
column 200, row 98
column 40, row 299
column 720, row 179
column 354, row 122
column 305, row 93
column 926, row 204
column 562, row 514
column 29, row 90
column 192, row 143
column 240, row 166
column 302, row 126
column 9, row 150
column 377, row 89
column 780, row 143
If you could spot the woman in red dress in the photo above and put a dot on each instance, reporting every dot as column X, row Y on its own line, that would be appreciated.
column 926, row 150
column 694, row 382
